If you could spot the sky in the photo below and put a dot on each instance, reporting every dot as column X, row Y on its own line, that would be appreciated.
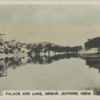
column 60, row 24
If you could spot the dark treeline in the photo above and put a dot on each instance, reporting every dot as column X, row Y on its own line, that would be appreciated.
column 93, row 43
column 47, row 47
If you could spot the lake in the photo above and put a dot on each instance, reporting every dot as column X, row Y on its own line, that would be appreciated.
column 60, row 73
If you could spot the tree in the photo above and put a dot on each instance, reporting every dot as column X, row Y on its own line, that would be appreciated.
column 93, row 43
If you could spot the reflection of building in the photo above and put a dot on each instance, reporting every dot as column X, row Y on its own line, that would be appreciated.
column 94, row 63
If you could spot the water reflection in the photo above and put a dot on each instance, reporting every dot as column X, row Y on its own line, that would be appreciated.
column 11, row 62
column 93, row 63
column 14, row 62
column 3, row 68
column 44, row 59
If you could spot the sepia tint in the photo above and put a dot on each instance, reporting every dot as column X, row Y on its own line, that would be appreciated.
column 50, row 47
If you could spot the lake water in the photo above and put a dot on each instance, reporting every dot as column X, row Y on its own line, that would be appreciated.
column 62, row 74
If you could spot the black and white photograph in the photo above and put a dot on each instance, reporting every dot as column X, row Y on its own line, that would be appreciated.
column 50, row 47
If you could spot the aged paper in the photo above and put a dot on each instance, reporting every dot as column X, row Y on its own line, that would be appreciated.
column 49, row 49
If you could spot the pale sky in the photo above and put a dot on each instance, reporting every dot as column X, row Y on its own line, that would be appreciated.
column 64, row 25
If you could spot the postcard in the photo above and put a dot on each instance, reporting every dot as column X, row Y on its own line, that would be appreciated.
column 49, row 50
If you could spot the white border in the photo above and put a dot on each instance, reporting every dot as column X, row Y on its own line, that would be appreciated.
column 29, row 2
column 51, row 3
